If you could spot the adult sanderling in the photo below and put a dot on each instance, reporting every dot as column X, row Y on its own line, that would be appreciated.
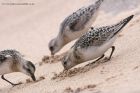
column 94, row 44
column 74, row 26
column 12, row 61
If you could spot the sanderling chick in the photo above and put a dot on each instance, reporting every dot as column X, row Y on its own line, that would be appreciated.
column 13, row 61
column 74, row 26
column 93, row 44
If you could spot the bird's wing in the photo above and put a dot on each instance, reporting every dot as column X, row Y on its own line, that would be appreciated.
column 76, row 21
column 81, row 17
column 95, row 37
column 10, row 53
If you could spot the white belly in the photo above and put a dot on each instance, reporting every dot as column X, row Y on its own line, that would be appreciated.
column 95, row 52
column 4, row 68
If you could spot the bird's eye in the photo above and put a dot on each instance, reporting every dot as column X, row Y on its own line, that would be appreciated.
column 28, row 70
column 51, row 48
column 65, row 62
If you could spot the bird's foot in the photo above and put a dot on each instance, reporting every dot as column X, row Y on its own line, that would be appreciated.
column 15, row 84
column 106, row 59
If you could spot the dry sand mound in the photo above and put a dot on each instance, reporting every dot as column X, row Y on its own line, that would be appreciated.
column 76, row 71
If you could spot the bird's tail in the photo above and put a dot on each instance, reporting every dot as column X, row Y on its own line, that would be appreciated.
column 99, row 2
column 95, row 6
column 121, row 24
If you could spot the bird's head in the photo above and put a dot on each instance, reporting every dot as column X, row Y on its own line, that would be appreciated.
column 54, row 46
column 69, row 61
column 29, row 69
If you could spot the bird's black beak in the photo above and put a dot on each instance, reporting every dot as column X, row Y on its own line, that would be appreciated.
column 33, row 77
column 52, row 54
column 65, row 69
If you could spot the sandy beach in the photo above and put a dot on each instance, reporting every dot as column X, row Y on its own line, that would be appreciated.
column 29, row 28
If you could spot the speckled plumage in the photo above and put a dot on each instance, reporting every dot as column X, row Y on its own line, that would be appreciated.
column 13, row 53
column 12, row 61
column 98, row 36
column 94, row 44
column 74, row 26
column 9, row 52
column 78, row 19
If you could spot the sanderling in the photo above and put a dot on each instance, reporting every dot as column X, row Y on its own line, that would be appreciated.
column 93, row 44
column 13, row 61
column 74, row 26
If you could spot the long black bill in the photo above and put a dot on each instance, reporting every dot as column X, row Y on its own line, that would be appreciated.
column 52, row 54
column 33, row 77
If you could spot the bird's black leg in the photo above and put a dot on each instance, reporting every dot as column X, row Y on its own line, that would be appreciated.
column 96, row 60
column 113, row 48
column 8, row 81
column 99, row 58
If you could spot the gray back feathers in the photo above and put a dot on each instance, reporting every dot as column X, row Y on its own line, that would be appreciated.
column 98, row 36
column 13, row 53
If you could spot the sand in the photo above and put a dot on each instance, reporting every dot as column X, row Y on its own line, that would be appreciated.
column 29, row 28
